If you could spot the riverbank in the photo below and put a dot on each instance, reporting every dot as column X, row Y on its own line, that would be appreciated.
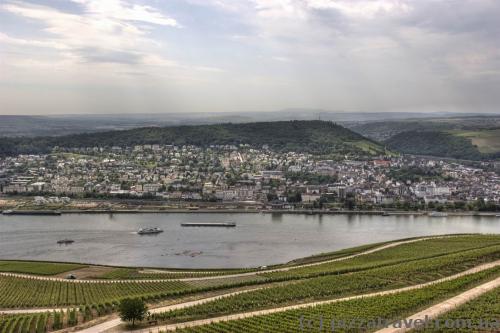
column 241, row 211
column 137, row 206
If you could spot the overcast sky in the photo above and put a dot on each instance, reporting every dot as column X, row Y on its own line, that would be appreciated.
column 117, row 56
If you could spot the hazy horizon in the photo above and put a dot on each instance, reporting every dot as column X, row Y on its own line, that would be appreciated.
column 191, row 56
column 312, row 114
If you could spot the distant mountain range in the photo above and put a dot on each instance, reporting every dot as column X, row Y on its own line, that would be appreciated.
column 31, row 126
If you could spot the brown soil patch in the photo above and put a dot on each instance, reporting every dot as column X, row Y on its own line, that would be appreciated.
column 90, row 272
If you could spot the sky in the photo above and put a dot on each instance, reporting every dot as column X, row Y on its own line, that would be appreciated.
column 165, row 56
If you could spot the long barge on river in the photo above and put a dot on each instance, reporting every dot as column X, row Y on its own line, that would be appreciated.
column 208, row 224
column 32, row 212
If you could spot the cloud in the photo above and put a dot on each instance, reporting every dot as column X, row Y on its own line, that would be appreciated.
column 92, row 54
column 367, row 9
column 104, row 31
column 118, row 10
column 262, row 54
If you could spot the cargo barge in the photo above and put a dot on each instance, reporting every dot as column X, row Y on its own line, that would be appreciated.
column 208, row 224
column 32, row 212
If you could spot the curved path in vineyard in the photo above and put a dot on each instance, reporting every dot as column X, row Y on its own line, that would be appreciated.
column 114, row 323
column 441, row 308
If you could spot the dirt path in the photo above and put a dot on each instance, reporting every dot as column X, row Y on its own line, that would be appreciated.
column 172, row 327
column 380, row 248
column 86, row 272
column 116, row 322
column 450, row 304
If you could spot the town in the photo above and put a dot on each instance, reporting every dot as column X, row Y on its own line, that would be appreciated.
column 257, row 177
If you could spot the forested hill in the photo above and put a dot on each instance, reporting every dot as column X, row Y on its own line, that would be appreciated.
column 436, row 143
column 307, row 136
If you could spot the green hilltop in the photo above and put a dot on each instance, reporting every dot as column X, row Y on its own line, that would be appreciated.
column 318, row 137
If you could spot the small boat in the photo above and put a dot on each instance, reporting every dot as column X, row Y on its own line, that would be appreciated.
column 65, row 241
column 438, row 214
column 208, row 224
column 149, row 231
column 385, row 214
column 498, row 215
column 8, row 212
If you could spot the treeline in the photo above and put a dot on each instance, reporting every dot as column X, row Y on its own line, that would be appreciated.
column 417, row 174
column 437, row 144
column 307, row 136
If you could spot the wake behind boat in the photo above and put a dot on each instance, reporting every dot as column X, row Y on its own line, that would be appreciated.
column 149, row 231
column 208, row 224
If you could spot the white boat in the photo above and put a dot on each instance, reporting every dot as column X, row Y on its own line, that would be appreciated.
column 149, row 231
column 438, row 214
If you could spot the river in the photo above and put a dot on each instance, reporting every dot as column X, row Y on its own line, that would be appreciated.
column 258, row 239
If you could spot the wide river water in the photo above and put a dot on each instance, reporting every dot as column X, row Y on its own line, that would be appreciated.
column 258, row 239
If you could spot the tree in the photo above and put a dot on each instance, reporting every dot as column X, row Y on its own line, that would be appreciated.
column 350, row 201
column 293, row 197
column 132, row 309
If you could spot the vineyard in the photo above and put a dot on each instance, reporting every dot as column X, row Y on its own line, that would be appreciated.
column 403, row 253
column 21, row 292
column 38, row 293
column 478, row 311
column 391, row 268
column 388, row 307
column 54, row 320
column 335, row 286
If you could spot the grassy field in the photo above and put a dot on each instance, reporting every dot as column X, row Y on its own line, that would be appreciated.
column 139, row 274
column 37, row 267
column 370, row 147
column 389, row 307
column 487, row 141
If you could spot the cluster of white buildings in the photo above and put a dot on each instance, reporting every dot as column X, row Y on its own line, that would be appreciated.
column 243, row 173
